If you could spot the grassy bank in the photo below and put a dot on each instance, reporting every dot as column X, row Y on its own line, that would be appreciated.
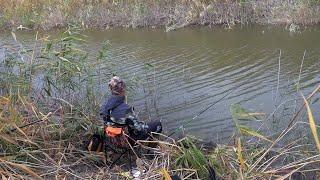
column 52, row 82
column 172, row 14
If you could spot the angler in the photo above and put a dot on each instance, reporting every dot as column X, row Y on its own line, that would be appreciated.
column 122, row 128
column 117, row 114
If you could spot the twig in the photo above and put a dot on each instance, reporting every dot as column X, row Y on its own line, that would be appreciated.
column 283, row 133
column 34, row 122
column 31, row 63
column 298, row 83
column 278, row 77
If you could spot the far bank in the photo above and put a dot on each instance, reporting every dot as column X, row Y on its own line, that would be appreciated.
column 171, row 14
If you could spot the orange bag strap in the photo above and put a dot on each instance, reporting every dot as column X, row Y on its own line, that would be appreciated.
column 112, row 131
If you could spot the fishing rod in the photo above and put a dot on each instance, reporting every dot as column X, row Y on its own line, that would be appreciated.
column 201, row 112
column 26, row 125
column 33, row 122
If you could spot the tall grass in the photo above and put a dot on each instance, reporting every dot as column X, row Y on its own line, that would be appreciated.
column 54, row 83
column 254, row 155
column 172, row 14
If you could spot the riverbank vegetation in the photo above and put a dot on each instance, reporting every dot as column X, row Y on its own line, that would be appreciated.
column 49, row 99
column 171, row 14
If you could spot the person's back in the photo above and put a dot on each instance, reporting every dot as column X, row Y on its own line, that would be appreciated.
column 116, row 112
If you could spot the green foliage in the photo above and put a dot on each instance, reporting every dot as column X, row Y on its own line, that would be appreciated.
column 240, row 115
column 192, row 157
column 65, row 62
column 14, row 75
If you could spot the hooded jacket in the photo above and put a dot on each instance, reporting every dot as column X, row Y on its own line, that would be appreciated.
column 115, row 110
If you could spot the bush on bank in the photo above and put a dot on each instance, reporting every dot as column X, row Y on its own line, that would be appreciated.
column 171, row 14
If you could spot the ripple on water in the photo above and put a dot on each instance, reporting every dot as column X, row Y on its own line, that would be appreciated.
column 187, row 74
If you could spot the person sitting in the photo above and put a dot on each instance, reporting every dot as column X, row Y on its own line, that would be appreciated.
column 116, row 113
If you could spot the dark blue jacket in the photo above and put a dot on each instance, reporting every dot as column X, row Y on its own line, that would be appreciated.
column 116, row 108
column 116, row 112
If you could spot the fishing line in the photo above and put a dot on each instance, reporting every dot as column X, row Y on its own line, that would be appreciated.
column 201, row 112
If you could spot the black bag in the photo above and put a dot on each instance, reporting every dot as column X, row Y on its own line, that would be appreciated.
column 153, row 127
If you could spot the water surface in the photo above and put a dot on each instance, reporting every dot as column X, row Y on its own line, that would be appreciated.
column 182, row 72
